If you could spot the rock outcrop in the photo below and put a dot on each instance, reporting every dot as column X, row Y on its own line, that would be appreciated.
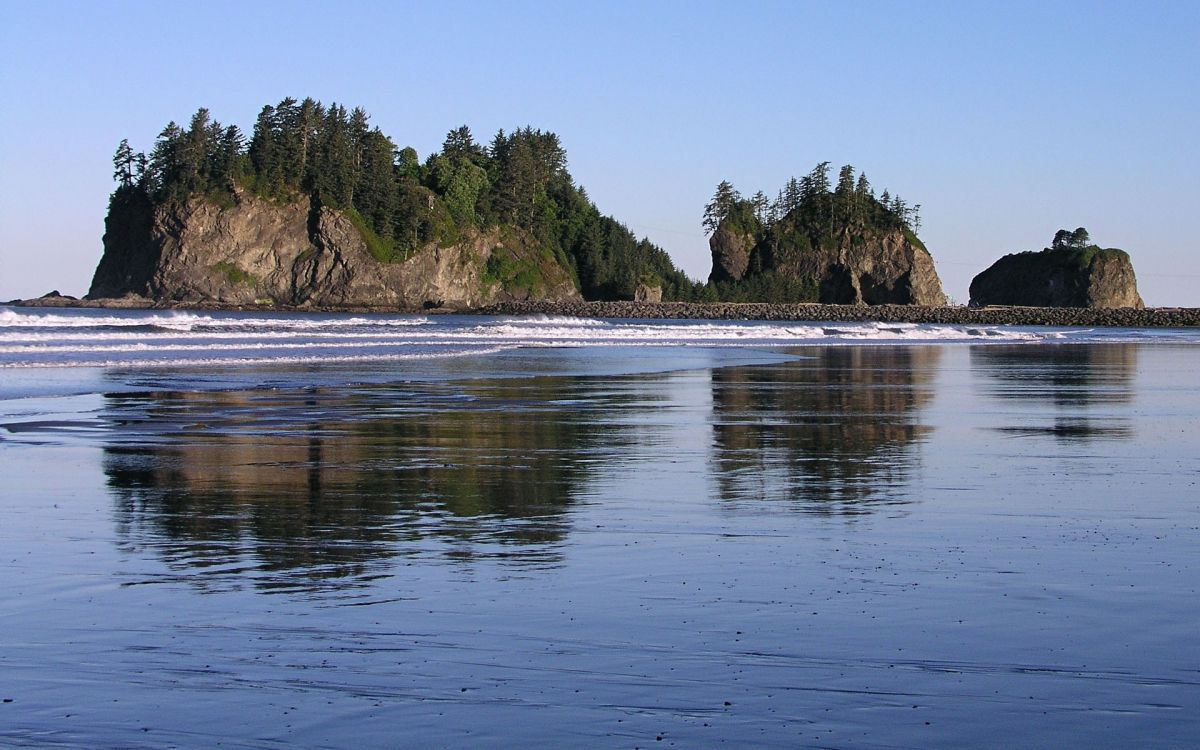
column 256, row 251
column 1060, row 277
column 648, row 293
column 730, row 253
column 853, row 266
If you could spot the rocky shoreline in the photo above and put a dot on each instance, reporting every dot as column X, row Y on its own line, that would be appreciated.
column 1019, row 316
column 1175, row 317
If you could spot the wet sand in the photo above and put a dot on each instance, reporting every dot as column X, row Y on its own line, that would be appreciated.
column 885, row 546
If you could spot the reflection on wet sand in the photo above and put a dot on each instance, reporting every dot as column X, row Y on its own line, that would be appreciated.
column 833, row 433
column 1081, row 382
column 330, row 484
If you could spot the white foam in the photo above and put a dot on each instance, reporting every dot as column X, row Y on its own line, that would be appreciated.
column 239, row 361
column 185, row 321
column 79, row 339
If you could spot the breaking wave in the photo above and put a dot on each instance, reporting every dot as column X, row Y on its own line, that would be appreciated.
column 136, row 338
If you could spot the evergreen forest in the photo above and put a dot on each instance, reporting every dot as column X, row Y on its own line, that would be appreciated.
column 333, row 157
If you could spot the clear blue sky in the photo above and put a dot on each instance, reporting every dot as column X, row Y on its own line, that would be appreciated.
column 1005, row 121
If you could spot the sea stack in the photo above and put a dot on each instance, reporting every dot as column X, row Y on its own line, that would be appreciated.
column 1072, row 272
column 820, row 243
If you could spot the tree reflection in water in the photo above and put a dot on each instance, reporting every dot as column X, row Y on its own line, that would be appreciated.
column 834, row 433
column 1080, row 382
column 292, row 488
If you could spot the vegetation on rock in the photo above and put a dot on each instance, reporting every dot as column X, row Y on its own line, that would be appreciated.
column 807, row 243
column 332, row 157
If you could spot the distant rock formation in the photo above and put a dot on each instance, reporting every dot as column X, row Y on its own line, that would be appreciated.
column 820, row 241
column 648, row 293
column 262, row 251
column 853, row 266
column 1070, row 273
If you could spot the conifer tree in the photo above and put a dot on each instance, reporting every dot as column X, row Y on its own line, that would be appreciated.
column 863, row 186
column 123, row 164
column 719, row 207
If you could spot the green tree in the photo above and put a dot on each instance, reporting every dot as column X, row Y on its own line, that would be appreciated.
column 332, row 173
column 460, row 183
column 1066, row 239
column 845, row 183
column 376, row 196
column 720, row 206
column 123, row 164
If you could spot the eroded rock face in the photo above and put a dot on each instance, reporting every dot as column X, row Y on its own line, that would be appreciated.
column 647, row 293
column 730, row 254
column 258, row 251
column 1089, row 277
column 855, row 267
column 888, row 269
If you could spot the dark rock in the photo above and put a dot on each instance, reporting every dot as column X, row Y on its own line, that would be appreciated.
column 1088, row 277
column 1022, row 316
column 730, row 253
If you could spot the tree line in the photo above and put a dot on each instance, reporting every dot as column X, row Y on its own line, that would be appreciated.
column 331, row 156
column 815, row 199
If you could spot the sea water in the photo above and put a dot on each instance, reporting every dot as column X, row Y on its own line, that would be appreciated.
column 269, row 530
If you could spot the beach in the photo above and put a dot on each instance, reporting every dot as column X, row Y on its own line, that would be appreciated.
column 276, row 530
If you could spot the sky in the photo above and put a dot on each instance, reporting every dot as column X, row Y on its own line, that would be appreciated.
column 1005, row 121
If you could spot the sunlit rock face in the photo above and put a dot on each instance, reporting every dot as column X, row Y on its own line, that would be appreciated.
column 257, row 251
column 852, row 266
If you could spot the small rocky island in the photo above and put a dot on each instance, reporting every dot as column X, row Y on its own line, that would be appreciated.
column 1072, row 272
column 820, row 242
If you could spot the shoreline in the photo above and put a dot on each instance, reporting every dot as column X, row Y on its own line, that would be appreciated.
column 1175, row 317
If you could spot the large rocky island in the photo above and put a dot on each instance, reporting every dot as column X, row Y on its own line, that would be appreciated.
column 319, row 210
column 259, row 252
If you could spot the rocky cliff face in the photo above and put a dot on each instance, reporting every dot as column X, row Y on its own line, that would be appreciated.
column 854, row 266
column 1081, row 277
column 730, row 253
column 257, row 251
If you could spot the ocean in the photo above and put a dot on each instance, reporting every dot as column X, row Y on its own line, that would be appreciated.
column 266, row 530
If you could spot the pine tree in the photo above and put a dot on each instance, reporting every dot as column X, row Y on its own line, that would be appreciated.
column 265, row 153
column 123, row 164
column 793, row 194
column 332, row 172
column 762, row 208
column 819, row 179
column 845, row 184
column 719, row 207
column 376, row 195
column 165, row 161
column 863, row 187
column 844, row 196
column 460, row 143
